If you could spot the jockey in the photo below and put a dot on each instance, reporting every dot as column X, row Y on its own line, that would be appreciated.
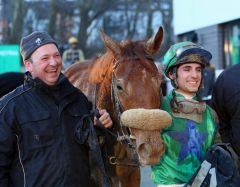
column 193, row 126
column 73, row 54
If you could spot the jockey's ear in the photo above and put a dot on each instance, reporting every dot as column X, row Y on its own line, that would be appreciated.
column 154, row 43
column 110, row 43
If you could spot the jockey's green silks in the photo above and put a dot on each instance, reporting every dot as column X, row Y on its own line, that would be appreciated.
column 186, row 140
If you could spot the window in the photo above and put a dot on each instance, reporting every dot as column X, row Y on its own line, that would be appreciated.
column 231, row 44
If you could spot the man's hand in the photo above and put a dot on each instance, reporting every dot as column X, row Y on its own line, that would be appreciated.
column 105, row 118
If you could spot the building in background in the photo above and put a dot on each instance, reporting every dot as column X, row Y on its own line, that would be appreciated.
column 213, row 24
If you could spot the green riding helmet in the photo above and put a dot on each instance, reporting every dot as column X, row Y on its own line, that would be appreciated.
column 185, row 52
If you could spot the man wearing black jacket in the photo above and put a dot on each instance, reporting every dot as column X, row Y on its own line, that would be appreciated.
column 226, row 102
column 38, row 122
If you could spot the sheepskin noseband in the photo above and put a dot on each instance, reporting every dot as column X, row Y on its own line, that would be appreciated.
column 146, row 119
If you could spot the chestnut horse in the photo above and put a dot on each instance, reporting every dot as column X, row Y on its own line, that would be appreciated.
column 123, row 78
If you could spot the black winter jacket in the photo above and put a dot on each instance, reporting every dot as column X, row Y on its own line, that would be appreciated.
column 226, row 102
column 37, row 144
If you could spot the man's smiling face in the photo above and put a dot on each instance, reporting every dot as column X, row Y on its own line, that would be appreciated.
column 45, row 63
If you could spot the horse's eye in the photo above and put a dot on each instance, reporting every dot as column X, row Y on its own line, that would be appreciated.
column 119, row 87
column 119, row 84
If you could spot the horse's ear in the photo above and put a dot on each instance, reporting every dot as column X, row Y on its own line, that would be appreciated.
column 154, row 43
column 110, row 43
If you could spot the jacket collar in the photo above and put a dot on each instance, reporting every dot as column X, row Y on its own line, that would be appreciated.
column 36, row 82
column 59, row 91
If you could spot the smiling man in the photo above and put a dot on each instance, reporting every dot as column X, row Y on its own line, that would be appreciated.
column 38, row 122
column 45, row 63
column 193, row 122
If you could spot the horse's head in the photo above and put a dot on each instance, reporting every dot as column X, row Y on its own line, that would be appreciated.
column 135, row 83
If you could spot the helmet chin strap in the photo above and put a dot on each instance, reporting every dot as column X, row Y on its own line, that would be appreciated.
column 174, row 80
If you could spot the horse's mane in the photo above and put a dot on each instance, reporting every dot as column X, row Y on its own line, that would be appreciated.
column 102, row 68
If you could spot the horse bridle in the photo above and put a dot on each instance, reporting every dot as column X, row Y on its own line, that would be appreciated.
column 122, row 136
column 125, row 138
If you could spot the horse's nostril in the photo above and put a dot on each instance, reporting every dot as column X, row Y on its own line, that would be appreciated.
column 144, row 150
